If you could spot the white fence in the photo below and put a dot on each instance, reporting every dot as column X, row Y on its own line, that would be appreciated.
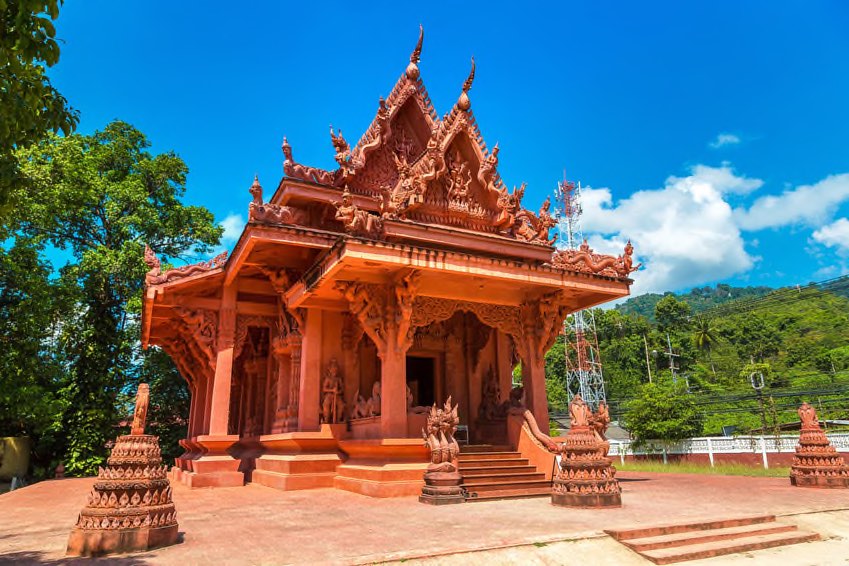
column 762, row 445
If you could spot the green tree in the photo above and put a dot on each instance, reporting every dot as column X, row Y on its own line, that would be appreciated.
column 671, row 314
column 555, row 377
column 704, row 338
column 29, row 105
column 662, row 412
column 101, row 198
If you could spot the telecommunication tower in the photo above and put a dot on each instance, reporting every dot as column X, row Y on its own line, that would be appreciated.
column 583, row 362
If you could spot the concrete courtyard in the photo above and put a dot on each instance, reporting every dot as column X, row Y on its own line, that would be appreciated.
column 259, row 525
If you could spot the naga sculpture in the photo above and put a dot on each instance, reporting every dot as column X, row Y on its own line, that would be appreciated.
column 298, row 171
column 509, row 205
column 442, row 480
column 355, row 221
column 155, row 276
column 534, row 228
column 272, row 213
column 584, row 260
column 343, row 150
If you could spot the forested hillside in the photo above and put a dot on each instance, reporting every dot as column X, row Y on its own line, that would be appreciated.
column 797, row 339
column 700, row 299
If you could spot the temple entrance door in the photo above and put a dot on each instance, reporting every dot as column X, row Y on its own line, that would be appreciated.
column 421, row 379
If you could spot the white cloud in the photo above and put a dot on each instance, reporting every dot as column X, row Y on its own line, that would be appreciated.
column 233, row 226
column 723, row 140
column 810, row 205
column 834, row 235
column 684, row 233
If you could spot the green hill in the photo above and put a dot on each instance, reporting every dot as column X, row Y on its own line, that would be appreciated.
column 699, row 298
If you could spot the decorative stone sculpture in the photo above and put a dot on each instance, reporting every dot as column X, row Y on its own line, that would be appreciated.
column 271, row 213
column 155, row 276
column 816, row 462
column 442, row 480
column 584, row 260
column 332, row 395
column 585, row 477
column 355, row 221
column 130, row 507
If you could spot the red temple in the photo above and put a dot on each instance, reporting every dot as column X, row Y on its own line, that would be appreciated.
column 357, row 298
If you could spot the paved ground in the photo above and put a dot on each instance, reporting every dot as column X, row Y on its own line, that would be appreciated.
column 258, row 525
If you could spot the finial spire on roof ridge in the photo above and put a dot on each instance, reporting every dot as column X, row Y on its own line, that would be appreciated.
column 416, row 55
column 471, row 78
column 413, row 68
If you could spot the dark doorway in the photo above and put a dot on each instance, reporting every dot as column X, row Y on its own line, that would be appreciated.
column 421, row 379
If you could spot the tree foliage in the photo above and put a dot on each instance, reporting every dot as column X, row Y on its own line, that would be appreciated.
column 664, row 412
column 30, row 106
column 100, row 198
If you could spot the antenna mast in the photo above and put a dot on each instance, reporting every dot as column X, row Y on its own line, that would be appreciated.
column 583, row 362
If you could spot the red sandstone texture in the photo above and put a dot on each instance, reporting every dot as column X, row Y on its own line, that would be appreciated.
column 586, row 477
column 816, row 462
column 130, row 506
column 412, row 248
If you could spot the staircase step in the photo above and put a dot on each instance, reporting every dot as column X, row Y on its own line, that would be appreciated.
column 469, row 456
column 488, row 470
column 698, row 537
column 722, row 547
column 510, row 494
column 489, row 463
column 473, row 486
column 511, row 476
column 476, row 448
column 646, row 532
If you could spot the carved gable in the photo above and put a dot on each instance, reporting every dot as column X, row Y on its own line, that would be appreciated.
column 421, row 168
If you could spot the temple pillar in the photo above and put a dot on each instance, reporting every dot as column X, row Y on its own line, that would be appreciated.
column 282, row 358
column 533, row 379
column 296, row 344
column 207, row 403
column 216, row 467
column 393, row 392
column 310, row 376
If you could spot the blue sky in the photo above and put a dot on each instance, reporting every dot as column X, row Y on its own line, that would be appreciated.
column 714, row 134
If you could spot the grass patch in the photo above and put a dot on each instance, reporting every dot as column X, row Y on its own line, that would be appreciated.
column 718, row 469
column 540, row 544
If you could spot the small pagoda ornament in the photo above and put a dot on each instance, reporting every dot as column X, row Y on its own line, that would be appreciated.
column 130, row 507
column 585, row 477
column 816, row 462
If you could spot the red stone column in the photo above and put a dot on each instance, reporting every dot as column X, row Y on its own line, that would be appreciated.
column 217, row 468
column 393, row 393
column 281, row 352
column 533, row 379
column 296, row 343
column 310, row 378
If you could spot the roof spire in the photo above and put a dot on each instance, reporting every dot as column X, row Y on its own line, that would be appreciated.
column 464, row 103
column 415, row 57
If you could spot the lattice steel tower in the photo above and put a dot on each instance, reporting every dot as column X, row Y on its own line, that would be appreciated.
column 583, row 362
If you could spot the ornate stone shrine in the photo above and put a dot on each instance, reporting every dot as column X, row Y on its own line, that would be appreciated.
column 357, row 297
column 130, row 507
column 816, row 462
column 586, row 477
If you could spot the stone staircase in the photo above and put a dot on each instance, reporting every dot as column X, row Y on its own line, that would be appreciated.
column 498, row 472
column 679, row 543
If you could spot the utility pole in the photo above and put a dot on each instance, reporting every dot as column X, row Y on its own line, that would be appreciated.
column 648, row 364
column 672, row 355
column 756, row 378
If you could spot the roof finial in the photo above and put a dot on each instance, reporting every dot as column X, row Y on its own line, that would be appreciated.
column 468, row 84
column 464, row 103
column 415, row 57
